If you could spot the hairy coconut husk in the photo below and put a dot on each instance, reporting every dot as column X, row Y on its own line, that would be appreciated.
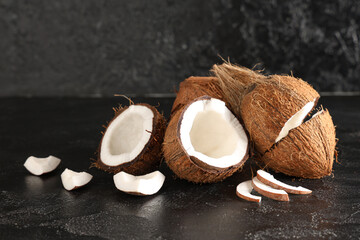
column 265, row 104
column 269, row 106
column 307, row 151
column 150, row 157
column 188, row 167
column 194, row 87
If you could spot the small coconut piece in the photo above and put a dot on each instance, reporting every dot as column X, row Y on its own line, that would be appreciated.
column 307, row 151
column 243, row 190
column 204, row 142
column 269, row 180
column 132, row 140
column 72, row 180
column 148, row 184
column 39, row 166
column 267, row 191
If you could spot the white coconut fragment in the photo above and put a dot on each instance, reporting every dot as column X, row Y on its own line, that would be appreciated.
column 39, row 166
column 147, row 184
column 295, row 120
column 268, row 191
column 243, row 190
column 72, row 180
column 269, row 179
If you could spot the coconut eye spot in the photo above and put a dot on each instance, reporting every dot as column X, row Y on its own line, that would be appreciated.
column 212, row 136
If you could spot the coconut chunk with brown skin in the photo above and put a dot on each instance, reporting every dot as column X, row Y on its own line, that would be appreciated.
column 269, row 180
column 267, row 191
column 39, row 166
column 243, row 190
column 204, row 142
column 147, row 184
column 132, row 140
column 72, row 180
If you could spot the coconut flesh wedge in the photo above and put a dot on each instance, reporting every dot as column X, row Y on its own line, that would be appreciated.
column 243, row 190
column 72, row 180
column 267, row 191
column 132, row 141
column 269, row 180
column 39, row 166
column 147, row 184
column 204, row 142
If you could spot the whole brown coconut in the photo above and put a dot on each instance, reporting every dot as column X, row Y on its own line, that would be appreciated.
column 266, row 104
column 126, row 133
column 194, row 167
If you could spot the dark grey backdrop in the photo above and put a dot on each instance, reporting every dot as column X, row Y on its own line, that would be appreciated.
column 98, row 48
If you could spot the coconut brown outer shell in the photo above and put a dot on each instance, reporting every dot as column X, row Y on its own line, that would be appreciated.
column 188, row 167
column 150, row 157
column 268, row 106
column 194, row 87
column 307, row 151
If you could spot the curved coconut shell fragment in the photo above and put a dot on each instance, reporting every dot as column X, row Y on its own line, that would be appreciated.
column 149, row 158
column 307, row 151
column 187, row 166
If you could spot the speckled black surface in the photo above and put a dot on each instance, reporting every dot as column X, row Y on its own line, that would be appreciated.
column 34, row 207
column 72, row 48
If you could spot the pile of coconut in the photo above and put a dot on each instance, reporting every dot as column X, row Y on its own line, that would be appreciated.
column 216, row 123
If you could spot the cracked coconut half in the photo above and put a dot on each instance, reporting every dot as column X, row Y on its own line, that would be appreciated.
column 132, row 141
column 273, row 109
column 204, row 142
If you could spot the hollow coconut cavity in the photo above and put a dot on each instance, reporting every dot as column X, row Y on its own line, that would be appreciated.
column 204, row 142
column 132, row 140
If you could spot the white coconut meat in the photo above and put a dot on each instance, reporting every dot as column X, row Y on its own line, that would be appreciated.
column 212, row 134
column 72, row 180
column 127, row 135
column 39, row 166
column 243, row 190
column 269, row 191
column 139, row 185
column 269, row 179
column 295, row 120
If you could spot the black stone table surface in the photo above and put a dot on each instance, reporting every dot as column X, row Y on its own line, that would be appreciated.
column 33, row 207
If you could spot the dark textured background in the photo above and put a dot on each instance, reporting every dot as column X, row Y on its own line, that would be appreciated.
column 98, row 48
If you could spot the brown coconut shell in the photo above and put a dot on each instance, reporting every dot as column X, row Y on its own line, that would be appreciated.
column 194, row 87
column 189, row 167
column 267, row 108
column 150, row 157
column 307, row 151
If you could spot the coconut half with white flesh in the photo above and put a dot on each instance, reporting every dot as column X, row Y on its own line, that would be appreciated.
column 132, row 140
column 269, row 180
column 268, row 191
column 204, row 142
column 243, row 190
column 39, row 166
column 147, row 184
column 72, row 180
